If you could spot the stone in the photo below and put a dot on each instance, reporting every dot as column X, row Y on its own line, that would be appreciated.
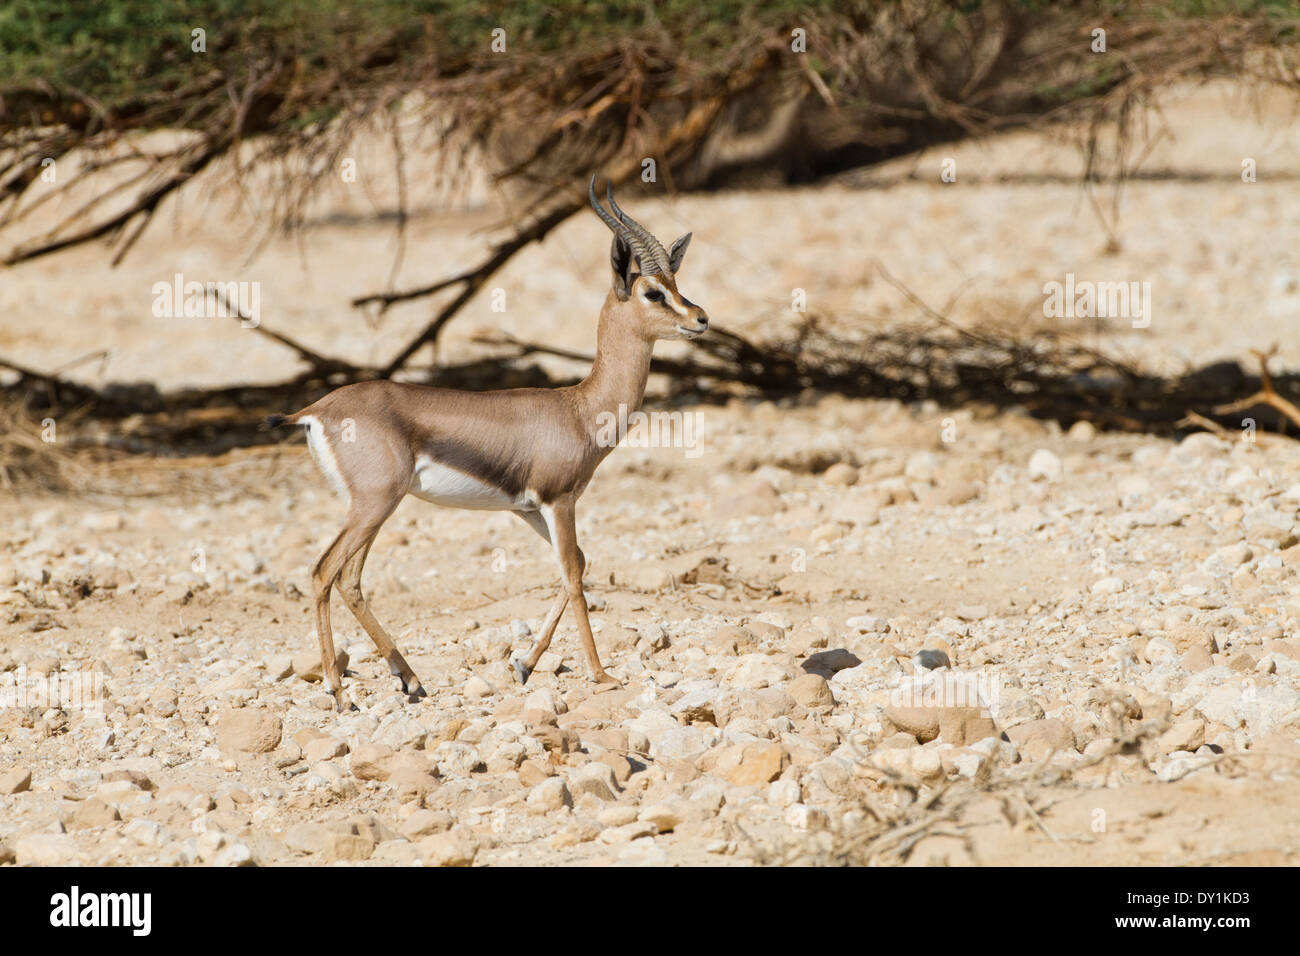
column 370, row 762
column 921, row 722
column 456, row 847
column 307, row 665
column 730, row 640
column 413, row 784
column 147, row 833
column 400, row 731
column 16, row 780
column 1012, row 705
column 236, row 854
column 324, row 748
column 811, row 690
column 1185, row 735
column 756, row 671
column 279, row 667
column 697, row 705
column 784, row 793
column 330, row 842
column 1235, row 555
column 249, row 730
column 1197, row 659
column 506, row 758
column 93, row 812
column 1044, row 464
column 614, row 836
column 1034, row 739
column 1082, row 431
column 423, row 823
column 960, row 726
column 765, row 704
column 595, row 779
column 616, row 816
column 840, row 475
column 45, row 849
column 806, row 819
column 1157, row 648
column 927, row 765
column 760, row 763
column 533, row 772
column 553, row 794
column 932, row 660
column 664, row 817
column 828, row 663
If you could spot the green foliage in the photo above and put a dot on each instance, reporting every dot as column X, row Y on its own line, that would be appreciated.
column 123, row 52
column 119, row 51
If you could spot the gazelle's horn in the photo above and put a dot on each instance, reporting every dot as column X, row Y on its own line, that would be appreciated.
column 644, row 255
column 657, row 252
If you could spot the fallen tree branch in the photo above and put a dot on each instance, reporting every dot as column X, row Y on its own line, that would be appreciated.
column 1267, row 394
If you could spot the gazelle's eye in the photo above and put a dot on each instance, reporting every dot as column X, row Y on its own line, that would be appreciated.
column 654, row 295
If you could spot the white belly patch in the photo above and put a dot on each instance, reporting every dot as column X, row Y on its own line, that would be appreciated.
column 454, row 489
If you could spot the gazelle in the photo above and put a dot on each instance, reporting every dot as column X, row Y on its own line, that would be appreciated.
column 531, row 451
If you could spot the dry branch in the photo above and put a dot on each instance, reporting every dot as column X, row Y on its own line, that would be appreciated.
column 1267, row 394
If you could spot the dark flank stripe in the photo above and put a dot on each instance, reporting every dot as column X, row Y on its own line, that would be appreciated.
column 508, row 474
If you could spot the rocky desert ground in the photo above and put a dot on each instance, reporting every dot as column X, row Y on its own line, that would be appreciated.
column 847, row 631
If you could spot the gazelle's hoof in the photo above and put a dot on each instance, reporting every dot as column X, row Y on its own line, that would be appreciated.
column 413, row 688
column 343, row 703
column 522, row 670
column 606, row 680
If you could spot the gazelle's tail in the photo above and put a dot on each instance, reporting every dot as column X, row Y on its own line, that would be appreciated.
column 275, row 421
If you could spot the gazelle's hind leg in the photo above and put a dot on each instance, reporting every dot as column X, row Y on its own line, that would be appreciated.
column 350, row 589
column 524, row 666
column 365, row 516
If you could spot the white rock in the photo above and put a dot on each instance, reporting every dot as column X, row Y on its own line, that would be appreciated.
column 552, row 794
column 45, row 849
column 784, row 793
column 1157, row 648
column 1044, row 464
column 806, row 819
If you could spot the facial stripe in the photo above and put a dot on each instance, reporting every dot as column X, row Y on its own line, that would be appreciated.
column 671, row 299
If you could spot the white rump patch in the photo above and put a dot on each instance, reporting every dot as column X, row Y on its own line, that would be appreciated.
column 324, row 455
column 450, row 488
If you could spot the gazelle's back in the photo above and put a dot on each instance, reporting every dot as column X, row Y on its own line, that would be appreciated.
column 478, row 450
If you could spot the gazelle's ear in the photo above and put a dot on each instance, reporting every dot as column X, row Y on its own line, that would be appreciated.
column 620, row 259
column 678, row 252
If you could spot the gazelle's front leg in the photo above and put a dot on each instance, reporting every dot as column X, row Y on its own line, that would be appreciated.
column 561, row 522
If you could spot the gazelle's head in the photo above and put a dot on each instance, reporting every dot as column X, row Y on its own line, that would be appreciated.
column 645, row 276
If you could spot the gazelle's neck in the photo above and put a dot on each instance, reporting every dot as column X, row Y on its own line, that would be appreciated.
column 617, row 380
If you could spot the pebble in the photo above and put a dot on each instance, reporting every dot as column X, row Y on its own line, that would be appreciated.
column 456, row 847
column 932, row 660
column 15, row 780
column 664, row 817
column 1044, row 465
column 45, row 849
column 840, row 475
column 249, row 730
column 811, row 690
